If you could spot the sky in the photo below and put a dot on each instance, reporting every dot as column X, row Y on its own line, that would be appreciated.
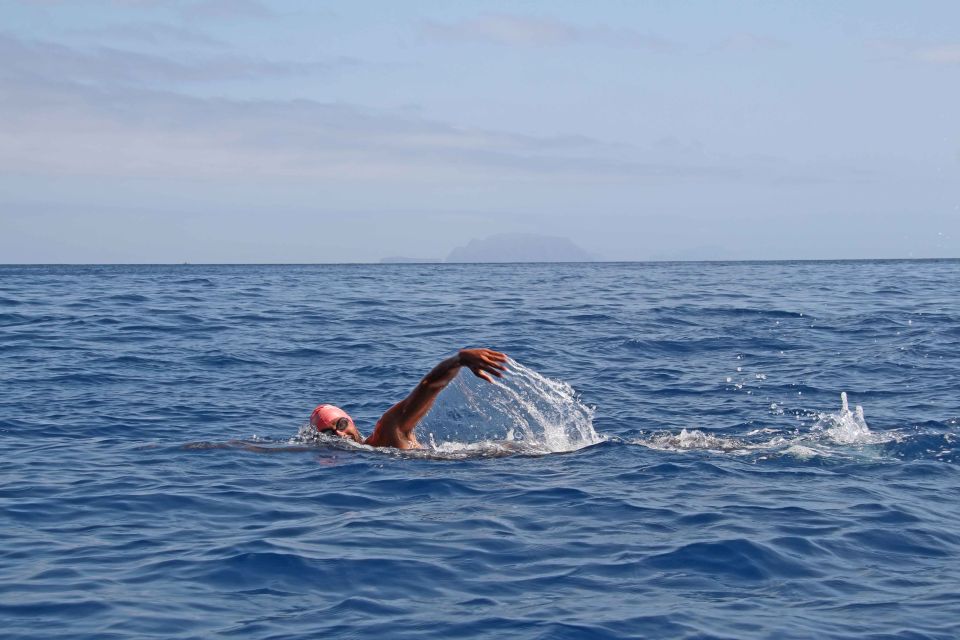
column 233, row 131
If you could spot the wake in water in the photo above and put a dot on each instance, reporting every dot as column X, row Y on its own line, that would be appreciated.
column 845, row 427
column 843, row 434
column 526, row 413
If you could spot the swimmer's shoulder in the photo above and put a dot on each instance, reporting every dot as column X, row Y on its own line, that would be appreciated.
column 387, row 437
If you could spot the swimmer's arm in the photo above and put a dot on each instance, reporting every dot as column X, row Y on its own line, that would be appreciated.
column 406, row 414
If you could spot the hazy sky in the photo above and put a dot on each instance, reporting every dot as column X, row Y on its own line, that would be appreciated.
column 246, row 131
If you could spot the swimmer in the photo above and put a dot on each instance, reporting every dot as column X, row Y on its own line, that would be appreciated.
column 395, row 427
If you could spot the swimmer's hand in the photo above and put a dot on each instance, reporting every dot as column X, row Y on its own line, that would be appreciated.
column 483, row 362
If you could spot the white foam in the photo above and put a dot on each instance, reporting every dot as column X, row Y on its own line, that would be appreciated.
column 801, row 452
column 690, row 439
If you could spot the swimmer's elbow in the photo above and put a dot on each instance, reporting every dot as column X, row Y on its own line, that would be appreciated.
column 430, row 384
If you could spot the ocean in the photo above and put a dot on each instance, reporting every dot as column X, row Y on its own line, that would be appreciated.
column 682, row 450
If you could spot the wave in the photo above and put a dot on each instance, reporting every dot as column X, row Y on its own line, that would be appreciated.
column 739, row 559
column 128, row 297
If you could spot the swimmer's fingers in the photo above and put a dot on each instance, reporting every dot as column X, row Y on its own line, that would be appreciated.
column 484, row 371
column 494, row 359
column 496, row 363
column 495, row 369
column 495, row 372
column 495, row 355
column 484, row 363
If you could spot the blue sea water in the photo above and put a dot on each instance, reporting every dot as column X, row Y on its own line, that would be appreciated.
column 671, row 457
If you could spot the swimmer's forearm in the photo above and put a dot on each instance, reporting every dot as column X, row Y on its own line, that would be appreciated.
column 442, row 374
column 485, row 363
column 405, row 415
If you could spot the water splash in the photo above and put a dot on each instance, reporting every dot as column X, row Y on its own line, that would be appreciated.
column 523, row 412
column 846, row 427
column 308, row 434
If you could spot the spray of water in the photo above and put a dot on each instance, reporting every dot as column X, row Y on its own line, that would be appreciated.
column 524, row 411
column 845, row 427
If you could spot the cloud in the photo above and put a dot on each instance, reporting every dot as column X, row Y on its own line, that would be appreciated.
column 187, row 9
column 57, row 128
column 35, row 60
column 108, row 112
column 516, row 30
column 943, row 54
column 749, row 43
column 113, row 112
column 151, row 33
column 226, row 9
column 908, row 49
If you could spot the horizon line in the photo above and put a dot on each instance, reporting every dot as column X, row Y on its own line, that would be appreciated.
column 438, row 263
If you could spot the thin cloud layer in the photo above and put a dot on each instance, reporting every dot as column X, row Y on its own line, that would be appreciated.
column 186, row 9
column 750, row 43
column 123, row 131
column 910, row 49
column 31, row 60
column 943, row 54
column 226, row 9
column 517, row 30
column 151, row 33
column 109, row 111
column 114, row 112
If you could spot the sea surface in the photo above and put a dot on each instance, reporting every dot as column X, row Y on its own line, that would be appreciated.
column 683, row 450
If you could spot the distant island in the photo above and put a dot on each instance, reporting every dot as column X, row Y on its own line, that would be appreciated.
column 510, row 247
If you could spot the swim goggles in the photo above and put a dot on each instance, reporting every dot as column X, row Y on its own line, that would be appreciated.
column 342, row 424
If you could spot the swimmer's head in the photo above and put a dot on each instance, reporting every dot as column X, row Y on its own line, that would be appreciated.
column 334, row 421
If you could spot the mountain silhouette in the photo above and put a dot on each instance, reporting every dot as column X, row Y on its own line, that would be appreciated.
column 520, row 247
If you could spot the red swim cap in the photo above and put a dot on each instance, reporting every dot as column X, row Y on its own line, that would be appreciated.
column 326, row 416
